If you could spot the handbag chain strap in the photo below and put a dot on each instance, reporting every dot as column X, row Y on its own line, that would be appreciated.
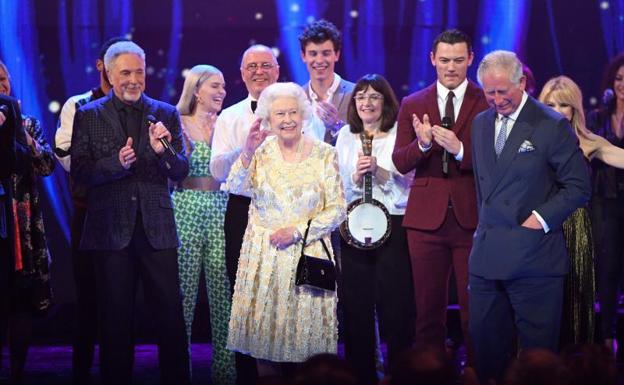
column 305, row 238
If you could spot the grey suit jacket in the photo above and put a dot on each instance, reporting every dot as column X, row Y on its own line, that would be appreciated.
column 340, row 100
column 116, row 195
column 541, row 168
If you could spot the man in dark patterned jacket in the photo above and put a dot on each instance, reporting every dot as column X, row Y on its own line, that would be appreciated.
column 124, row 148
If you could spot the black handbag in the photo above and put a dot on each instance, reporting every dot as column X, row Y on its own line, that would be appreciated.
column 315, row 272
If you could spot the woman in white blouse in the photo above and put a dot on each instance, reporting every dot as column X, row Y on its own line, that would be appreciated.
column 375, row 281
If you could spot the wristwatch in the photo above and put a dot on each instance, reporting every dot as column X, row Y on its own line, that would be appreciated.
column 296, row 235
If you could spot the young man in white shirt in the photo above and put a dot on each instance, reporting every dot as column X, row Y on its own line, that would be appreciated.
column 329, row 94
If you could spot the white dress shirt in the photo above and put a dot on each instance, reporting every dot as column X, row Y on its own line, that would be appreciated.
column 63, row 136
column 394, row 193
column 230, row 133
column 314, row 98
column 458, row 99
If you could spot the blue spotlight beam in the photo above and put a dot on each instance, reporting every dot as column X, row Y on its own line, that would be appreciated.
column 502, row 25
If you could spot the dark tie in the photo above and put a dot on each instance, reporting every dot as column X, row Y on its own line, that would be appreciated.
column 254, row 105
column 128, row 117
column 449, row 111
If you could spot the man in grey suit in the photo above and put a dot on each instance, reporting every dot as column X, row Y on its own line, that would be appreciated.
column 124, row 148
column 530, row 175
column 329, row 93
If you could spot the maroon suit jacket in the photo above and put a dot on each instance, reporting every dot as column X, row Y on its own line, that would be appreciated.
column 430, row 192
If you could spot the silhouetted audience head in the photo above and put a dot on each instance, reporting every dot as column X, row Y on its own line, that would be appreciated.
column 537, row 367
column 325, row 369
column 590, row 365
column 422, row 367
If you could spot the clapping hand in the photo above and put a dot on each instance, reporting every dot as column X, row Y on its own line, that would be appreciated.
column 423, row 130
column 127, row 155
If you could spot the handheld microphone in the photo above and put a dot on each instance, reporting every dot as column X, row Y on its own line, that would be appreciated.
column 446, row 123
column 151, row 119
column 607, row 96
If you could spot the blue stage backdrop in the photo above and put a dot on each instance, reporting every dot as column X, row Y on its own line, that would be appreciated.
column 50, row 48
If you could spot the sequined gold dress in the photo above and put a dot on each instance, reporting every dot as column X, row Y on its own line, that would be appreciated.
column 271, row 318
column 578, row 323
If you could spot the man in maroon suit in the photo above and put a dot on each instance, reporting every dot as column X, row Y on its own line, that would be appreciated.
column 434, row 139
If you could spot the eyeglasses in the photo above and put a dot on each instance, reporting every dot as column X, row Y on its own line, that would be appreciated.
column 373, row 98
column 253, row 67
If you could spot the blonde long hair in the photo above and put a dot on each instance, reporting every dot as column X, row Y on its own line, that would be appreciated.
column 195, row 77
column 562, row 89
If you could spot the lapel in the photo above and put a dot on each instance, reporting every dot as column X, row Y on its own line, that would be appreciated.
column 110, row 115
column 470, row 99
column 521, row 130
column 149, row 108
column 431, row 105
column 339, row 95
column 306, row 89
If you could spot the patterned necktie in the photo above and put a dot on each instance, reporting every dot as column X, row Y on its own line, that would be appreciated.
column 449, row 111
column 502, row 136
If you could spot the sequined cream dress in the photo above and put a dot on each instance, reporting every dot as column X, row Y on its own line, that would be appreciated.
column 271, row 318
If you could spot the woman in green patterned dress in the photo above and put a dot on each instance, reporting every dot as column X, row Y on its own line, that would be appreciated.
column 199, row 211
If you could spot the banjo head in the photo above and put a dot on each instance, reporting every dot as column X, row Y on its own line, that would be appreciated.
column 367, row 225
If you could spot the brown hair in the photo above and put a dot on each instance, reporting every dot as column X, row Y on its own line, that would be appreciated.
column 390, row 104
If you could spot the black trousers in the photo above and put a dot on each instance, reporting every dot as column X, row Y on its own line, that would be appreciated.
column 86, row 316
column 234, row 225
column 117, row 274
column 377, row 280
column 608, row 222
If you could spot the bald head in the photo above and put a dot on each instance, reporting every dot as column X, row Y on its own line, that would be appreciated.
column 259, row 69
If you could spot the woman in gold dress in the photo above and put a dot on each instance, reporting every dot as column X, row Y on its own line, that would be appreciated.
column 291, row 179
column 565, row 97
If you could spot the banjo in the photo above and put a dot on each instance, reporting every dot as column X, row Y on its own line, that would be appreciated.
column 368, row 223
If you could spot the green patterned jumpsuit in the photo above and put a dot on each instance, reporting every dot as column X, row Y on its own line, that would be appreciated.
column 199, row 218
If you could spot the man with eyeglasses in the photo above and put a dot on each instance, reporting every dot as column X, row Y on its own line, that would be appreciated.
column 433, row 138
column 328, row 92
column 259, row 69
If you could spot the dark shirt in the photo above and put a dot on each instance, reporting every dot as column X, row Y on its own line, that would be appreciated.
column 130, row 117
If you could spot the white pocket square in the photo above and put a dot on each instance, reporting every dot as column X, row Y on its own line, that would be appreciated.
column 526, row 146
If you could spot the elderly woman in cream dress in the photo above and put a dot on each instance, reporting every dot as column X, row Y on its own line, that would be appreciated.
column 291, row 179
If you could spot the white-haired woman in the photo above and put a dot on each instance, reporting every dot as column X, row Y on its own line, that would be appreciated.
column 291, row 179
column 199, row 212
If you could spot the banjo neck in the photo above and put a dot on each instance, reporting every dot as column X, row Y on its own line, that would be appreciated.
column 367, row 179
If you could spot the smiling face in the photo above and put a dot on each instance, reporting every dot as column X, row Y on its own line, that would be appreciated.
column 320, row 59
column 369, row 105
column 286, row 118
column 501, row 93
column 556, row 104
column 211, row 93
column 451, row 62
column 5, row 82
column 618, row 84
column 259, row 70
column 127, row 76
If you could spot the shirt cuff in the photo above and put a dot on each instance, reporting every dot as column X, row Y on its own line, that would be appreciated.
column 425, row 149
column 541, row 221
column 460, row 154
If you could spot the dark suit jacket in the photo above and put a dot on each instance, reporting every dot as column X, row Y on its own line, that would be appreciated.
column 115, row 195
column 552, row 180
column 430, row 193
column 10, row 134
